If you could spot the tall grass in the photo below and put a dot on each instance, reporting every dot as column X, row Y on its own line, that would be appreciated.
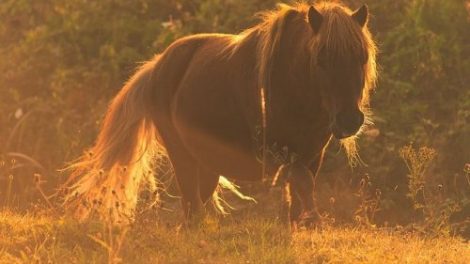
column 243, row 239
column 428, row 192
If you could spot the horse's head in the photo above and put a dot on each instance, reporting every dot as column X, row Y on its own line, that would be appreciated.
column 342, row 65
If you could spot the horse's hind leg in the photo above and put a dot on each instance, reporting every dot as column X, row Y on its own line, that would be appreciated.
column 196, row 183
column 197, row 186
column 294, row 207
column 187, row 173
column 207, row 184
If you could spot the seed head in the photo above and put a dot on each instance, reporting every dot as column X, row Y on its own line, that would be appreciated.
column 467, row 168
column 37, row 178
column 378, row 192
column 332, row 200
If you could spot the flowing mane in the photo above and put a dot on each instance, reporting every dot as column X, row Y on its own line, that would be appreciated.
column 339, row 36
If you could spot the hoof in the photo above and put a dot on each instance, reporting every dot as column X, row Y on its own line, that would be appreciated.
column 195, row 221
column 309, row 220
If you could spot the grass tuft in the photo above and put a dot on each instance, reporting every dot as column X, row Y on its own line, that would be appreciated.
column 246, row 238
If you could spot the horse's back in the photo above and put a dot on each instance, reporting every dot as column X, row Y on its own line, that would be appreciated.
column 171, row 68
column 207, row 94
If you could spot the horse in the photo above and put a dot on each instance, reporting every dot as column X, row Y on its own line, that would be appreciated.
column 220, row 104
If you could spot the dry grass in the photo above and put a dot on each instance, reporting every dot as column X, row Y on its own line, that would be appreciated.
column 363, row 245
column 244, row 238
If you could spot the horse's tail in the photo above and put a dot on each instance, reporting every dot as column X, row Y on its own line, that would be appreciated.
column 107, row 180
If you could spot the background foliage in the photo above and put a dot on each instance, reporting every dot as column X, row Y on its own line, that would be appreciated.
column 63, row 60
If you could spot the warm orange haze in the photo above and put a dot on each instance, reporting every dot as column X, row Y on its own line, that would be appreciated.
column 199, row 103
column 317, row 165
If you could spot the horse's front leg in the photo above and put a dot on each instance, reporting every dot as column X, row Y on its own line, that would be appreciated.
column 303, row 209
column 301, row 185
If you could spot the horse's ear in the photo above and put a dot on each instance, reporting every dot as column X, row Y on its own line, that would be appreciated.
column 361, row 15
column 315, row 19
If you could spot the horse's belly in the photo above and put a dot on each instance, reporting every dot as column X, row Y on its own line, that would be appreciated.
column 222, row 157
column 225, row 149
column 214, row 112
column 212, row 125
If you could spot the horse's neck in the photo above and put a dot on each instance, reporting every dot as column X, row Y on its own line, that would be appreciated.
column 292, row 102
column 295, row 113
column 245, row 79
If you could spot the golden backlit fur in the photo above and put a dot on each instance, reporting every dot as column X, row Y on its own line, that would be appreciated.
column 339, row 35
column 107, row 180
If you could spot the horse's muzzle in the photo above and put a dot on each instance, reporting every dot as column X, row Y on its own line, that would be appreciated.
column 347, row 124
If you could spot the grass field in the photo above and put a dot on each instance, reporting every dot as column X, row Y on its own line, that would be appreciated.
column 249, row 235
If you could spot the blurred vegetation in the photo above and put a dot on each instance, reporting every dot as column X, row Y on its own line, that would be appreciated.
column 63, row 60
